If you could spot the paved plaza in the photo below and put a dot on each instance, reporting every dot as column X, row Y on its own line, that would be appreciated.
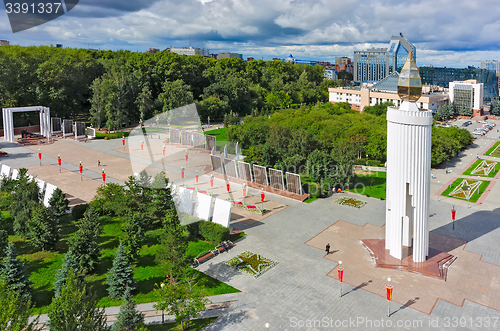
column 301, row 292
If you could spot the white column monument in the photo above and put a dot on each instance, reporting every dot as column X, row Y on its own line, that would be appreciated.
column 408, row 169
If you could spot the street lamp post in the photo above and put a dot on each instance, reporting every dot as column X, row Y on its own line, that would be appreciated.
column 197, row 178
column 103, row 176
column 142, row 148
column 389, row 297
column 186, row 156
column 453, row 213
column 81, row 170
column 212, row 183
column 123, row 141
column 262, row 197
column 340, row 271
column 59, row 162
column 228, row 187
column 162, row 313
column 244, row 187
column 40, row 156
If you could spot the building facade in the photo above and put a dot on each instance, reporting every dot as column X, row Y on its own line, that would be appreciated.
column 493, row 65
column 226, row 55
column 467, row 96
column 377, row 63
column 442, row 76
column 4, row 43
column 189, row 51
column 330, row 74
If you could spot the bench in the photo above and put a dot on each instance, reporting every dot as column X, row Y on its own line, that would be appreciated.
column 219, row 248
column 203, row 257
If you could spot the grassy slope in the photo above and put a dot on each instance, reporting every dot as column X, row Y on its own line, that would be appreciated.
column 42, row 266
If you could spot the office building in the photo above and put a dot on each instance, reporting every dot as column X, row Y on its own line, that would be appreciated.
column 226, row 55
column 493, row 65
column 467, row 96
column 442, row 76
column 330, row 74
column 4, row 43
column 188, row 51
column 384, row 91
column 377, row 63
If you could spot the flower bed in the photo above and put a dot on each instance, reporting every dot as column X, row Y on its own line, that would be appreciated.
column 2, row 153
column 484, row 168
column 466, row 188
column 351, row 202
column 251, row 263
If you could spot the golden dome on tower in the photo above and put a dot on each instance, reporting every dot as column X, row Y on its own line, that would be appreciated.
column 409, row 82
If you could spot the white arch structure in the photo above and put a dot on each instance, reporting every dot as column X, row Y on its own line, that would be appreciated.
column 8, row 120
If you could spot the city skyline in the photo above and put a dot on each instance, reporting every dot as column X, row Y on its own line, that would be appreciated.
column 453, row 34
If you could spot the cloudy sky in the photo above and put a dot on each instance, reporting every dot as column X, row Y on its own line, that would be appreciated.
column 453, row 33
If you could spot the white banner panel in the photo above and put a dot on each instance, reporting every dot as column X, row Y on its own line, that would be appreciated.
column 48, row 194
column 15, row 173
column 5, row 171
column 222, row 212
column 203, row 206
column 185, row 201
column 41, row 185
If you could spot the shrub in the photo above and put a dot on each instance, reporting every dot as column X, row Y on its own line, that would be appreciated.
column 313, row 189
column 213, row 232
column 194, row 229
column 78, row 210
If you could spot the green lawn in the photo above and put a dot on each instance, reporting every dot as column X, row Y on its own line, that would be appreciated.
column 494, row 151
column 492, row 173
column 196, row 325
column 474, row 196
column 373, row 185
column 42, row 266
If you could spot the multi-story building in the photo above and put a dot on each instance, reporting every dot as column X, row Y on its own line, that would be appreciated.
column 442, row 76
column 377, row 63
column 383, row 91
column 493, row 65
column 467, row 96
column 226, row 55
column 188, row 51
column 4, row 43
column 330, row 74
column 153, row 50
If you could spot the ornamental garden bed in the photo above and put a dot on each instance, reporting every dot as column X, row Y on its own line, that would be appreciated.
column 466, row 189
column 251, row 263
column 351, row 202
column 484, row 168
column 494, row 150
column 2, row 153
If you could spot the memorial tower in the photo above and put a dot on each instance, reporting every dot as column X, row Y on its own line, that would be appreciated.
column 408, row 169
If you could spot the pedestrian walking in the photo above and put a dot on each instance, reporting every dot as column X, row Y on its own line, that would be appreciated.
column 477, row 156
column 98, row 163
column 327, row 249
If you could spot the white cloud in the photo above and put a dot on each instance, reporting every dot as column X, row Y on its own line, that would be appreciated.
column 446, row 32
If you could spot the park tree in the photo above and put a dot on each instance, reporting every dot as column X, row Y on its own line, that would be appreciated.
column 175, row 94
column 173, row 245
column 120, row 276
column 129, row 318
column 43, row 228
column 83, row 244
column 58, row 203
column 182, row 298
column 133, row 236
column 76, row 308
column 69, row 263
column 16, row 311
column 495, row 107
column 145, row 104
column 14, row 274
column 25, row 196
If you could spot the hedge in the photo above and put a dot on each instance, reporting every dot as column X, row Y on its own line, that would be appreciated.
column 210, row 231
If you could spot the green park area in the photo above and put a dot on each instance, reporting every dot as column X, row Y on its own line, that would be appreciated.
column 494, row 150
column 483, row 168
column 138, row 223
column 370, row 183
column 466, row 189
